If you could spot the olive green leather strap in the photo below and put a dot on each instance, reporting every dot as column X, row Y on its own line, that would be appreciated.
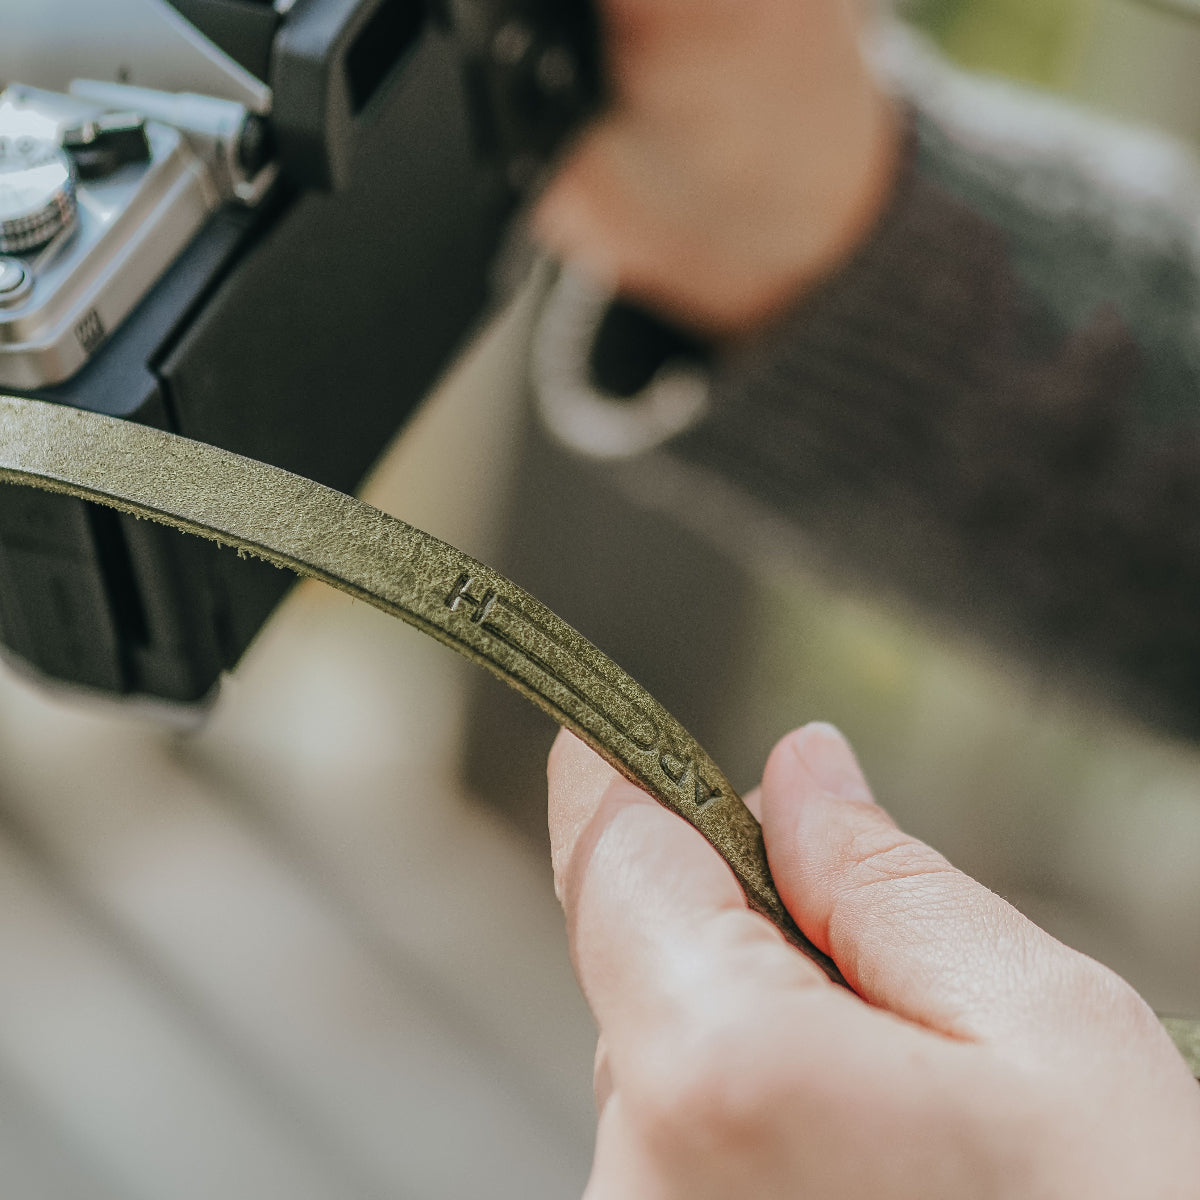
column 313, row 530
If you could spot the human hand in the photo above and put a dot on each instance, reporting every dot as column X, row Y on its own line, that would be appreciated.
column 746, row 152
column 983, row 1060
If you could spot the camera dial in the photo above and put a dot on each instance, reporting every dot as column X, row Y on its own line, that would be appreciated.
column 37, row 193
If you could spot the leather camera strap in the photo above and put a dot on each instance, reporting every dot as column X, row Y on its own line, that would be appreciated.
column 313, row 530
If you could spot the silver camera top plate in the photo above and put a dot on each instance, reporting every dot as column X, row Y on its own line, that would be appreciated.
column 129, row 226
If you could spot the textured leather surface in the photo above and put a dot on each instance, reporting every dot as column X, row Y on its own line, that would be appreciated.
column 313, row 530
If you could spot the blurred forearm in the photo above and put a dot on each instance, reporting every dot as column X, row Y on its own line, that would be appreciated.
column 995, row 405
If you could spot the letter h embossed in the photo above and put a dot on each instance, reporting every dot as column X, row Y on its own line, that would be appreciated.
column 462, row 595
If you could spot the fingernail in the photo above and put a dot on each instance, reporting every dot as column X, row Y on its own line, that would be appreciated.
column 829, row 760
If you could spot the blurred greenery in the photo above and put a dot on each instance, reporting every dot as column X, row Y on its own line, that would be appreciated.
column 1026, row 39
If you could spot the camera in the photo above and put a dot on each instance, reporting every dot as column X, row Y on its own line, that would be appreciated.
column 97, row 200
column 265, row 226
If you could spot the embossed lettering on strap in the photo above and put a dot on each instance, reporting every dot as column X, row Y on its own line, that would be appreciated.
column 316, row 531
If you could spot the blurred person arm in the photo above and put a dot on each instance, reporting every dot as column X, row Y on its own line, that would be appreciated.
column 960, row 322
column 983, row 1058
column 745, row 152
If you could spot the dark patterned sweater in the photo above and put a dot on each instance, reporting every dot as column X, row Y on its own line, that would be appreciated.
column 995, row 407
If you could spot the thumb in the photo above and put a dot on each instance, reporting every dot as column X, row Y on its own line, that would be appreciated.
column 910, row 933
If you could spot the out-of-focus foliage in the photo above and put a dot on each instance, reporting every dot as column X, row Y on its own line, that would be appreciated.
column 1027, row 39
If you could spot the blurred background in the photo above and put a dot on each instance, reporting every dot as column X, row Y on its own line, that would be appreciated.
column 308, row 947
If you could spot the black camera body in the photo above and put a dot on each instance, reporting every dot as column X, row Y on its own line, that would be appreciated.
column 327, row 255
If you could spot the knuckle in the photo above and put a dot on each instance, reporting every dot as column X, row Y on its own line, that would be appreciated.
column 885, row 855
column 892, row 877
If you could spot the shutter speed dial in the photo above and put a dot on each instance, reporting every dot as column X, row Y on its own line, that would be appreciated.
column 37, row 193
